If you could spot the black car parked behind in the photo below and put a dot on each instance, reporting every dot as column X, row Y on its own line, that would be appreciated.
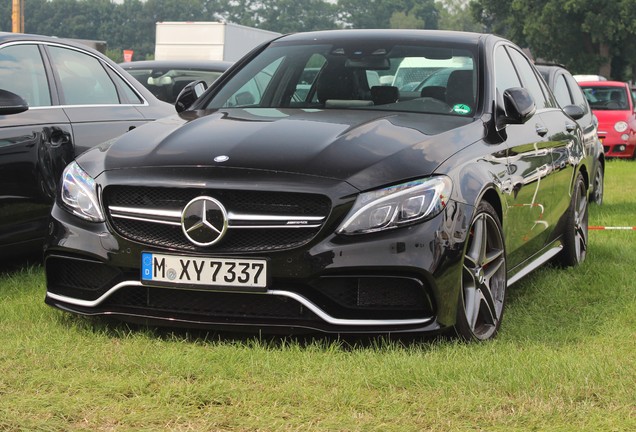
column 568, row 94
column 66, row 98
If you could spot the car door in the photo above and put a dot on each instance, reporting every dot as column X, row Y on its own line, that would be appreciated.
column 561, row 146
column 529, row 164
column 98, row 102
column 35, row 145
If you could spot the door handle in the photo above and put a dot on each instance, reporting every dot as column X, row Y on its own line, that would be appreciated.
column 58, row 137
column 541, row 130
column 570, row 127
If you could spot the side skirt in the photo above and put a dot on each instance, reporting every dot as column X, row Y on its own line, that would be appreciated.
column 536, row 263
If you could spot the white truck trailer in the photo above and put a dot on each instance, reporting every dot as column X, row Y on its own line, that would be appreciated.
column 206, row 40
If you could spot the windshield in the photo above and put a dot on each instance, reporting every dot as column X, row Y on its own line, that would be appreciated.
column 607, row 98
column 356, row 75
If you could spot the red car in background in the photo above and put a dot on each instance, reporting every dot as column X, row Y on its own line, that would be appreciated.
column 612, row 103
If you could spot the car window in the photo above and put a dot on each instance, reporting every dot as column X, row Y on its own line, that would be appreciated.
column 22, row 72
column 577, row 93
column 562, row 92
column 529, row 78
column 251, row 93
column 353, row 75
column 414, row 71
column 308, row 76
column 129, row 95
column 505, row 73
column 439, row 78
column 82, row 78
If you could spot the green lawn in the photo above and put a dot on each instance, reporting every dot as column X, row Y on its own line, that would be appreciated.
column 564, row 361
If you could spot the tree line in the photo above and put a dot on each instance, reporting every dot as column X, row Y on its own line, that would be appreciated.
column 131, row 24
column 587, row 36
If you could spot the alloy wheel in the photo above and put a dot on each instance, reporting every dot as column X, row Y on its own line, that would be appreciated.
column 580, row 223
column 483, row 278
column 598, row 186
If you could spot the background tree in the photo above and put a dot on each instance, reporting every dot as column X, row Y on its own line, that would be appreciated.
column 588, row 36
column 283, row 16
column 457, row 15
column 406, row 20
column 371, row 14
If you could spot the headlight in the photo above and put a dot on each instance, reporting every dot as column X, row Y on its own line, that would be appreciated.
column 79, row 194
column 397, row 206
column 620, row 126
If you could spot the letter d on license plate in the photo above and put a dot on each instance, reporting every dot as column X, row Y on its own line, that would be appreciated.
column 202, row 272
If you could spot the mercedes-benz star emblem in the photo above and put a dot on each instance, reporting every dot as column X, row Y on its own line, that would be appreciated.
column 204, row 221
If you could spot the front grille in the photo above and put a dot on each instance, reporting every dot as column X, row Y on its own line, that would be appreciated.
column 255, row 204
column 276, row 203
column 247, row 240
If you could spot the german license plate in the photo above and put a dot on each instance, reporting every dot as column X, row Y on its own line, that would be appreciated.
column 210, row 272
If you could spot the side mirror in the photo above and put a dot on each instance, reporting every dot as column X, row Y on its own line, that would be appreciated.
column 519, row 107
column 189, row 94
column 11, row 103
column 574, row 111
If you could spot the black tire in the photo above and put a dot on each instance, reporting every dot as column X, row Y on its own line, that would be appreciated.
column 575, row 233
column 484, row 281
column 598, row 185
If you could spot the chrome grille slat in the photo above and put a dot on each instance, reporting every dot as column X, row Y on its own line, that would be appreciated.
column 235, row 220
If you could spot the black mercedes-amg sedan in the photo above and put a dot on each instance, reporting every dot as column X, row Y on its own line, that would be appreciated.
column 334, row 201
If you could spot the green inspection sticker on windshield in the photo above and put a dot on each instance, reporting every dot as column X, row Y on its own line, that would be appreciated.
column 461, row 109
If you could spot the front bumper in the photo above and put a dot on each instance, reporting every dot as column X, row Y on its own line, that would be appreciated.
column 615, row 146
column 404, row 280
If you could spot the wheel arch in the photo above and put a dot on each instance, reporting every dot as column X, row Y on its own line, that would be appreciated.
column 492, row 197
column 586, row 177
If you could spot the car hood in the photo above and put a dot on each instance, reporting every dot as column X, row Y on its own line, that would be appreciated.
column 607, row 118
column 365, row 148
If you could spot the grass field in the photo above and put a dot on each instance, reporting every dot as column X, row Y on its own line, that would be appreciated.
column 565, row 360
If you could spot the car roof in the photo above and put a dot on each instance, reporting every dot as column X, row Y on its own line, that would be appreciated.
column 351, row 35
column 603, row 83
column 212, row 65
column 581, row 78
column 19, row 37
column 550, row 66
